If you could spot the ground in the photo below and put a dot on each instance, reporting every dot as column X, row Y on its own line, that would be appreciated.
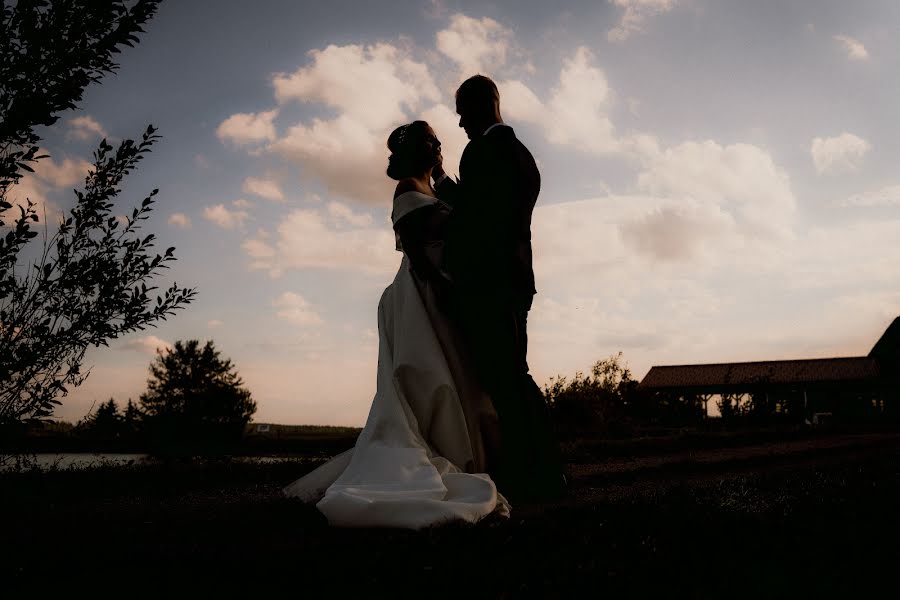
column 754, row 515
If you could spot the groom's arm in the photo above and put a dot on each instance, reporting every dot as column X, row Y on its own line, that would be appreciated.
column 448, row 190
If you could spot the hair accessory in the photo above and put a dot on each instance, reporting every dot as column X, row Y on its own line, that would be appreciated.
column 401, row 137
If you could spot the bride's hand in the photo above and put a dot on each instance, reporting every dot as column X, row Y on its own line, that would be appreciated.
column 438, row 169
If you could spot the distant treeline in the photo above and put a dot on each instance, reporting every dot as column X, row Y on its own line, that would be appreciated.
column 110, row 430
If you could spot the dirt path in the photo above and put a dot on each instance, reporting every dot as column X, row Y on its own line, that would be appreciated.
column 623, row 477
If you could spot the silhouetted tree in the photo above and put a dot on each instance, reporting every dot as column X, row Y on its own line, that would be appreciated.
column 195, row 398
column 593, row 403
column 730, row 406
column 105, row 422
column 89, row 285
column 131, row 419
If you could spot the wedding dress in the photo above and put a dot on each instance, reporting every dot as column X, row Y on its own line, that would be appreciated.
column 421, row 457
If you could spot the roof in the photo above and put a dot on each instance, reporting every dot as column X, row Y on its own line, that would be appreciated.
column 722, row 375
column 888, row 346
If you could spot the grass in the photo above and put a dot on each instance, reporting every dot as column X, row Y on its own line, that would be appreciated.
column 804, row 524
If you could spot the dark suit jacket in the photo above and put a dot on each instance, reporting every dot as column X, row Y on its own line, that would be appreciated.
column 488, row 246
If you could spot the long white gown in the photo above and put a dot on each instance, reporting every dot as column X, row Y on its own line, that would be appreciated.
column 408, row 467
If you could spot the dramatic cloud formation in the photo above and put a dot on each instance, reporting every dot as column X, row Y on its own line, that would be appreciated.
column 636, row 13
column 740, row 179
column 576, row 113
column 294, row 309
column 332, row 238
column 224, row 217
column 373, row 89
column 854, row 48
column 85, row 128
column 841, row 154
column 264, row 188
column 475, row 45
column 180, row 220
column 244, row 129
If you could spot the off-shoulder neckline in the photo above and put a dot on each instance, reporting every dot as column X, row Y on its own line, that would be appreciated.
column 416, row 192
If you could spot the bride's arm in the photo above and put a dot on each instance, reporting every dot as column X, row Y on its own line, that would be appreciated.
column 413, row 231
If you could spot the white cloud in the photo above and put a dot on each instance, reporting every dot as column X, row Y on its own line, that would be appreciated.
column 214, row 323
column 475, row 45
column 180, row 220
column 740, row 179
column 48, row 177
column 242, row 203
column 224, row 217
column 373, row 89
column 310, row 239
column 853, row 47
column 577, row 113
column 147, row 345
column 295, row 309
column 68, row 173
column 887, row 196
column 636, row 13
column 372, row 85
column 841, row 154
column 85, row 128
column 264, row 188
column 677, row 230
column 248, row 128
column 341, row 214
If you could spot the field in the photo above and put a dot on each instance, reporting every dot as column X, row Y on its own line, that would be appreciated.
column 758, row 514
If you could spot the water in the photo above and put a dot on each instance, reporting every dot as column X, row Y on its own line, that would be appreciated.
column 83, row 460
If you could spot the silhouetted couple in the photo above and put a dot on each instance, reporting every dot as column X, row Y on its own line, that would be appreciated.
column 456, row 415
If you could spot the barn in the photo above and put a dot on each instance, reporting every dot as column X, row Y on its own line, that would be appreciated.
column 844, row 388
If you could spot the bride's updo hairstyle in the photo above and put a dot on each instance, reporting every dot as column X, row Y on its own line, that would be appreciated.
column 407, row 156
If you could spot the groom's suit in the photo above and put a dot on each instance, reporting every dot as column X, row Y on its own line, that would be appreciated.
column 488, row 255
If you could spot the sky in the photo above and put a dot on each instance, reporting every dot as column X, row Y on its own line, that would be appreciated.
column 719, row 179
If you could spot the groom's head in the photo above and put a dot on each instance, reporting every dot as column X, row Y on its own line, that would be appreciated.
column 478, row 105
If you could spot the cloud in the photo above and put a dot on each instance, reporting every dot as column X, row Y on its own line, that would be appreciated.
column 677, row 230
column 636, row 13
column 180, row 220
column 841, row 154
column 295, row 309
column 214, row 323
column 264, row 188
column 740, row 179
column 341, row 214
column 373, row 89
column 324, row 238
column 475, row 45
column 577, row 112
column 372, row 84
column 887, row 196
column 49, row 176
column 854, row 48
column 147, row 345
column 244, row 129
column 225, row 217
column 85, row 128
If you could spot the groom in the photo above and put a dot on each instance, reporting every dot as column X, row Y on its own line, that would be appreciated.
column 488, row 255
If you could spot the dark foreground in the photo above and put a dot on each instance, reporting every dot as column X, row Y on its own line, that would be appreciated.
column 807, row 516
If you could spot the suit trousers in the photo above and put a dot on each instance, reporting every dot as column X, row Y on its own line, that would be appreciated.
column 496, row 336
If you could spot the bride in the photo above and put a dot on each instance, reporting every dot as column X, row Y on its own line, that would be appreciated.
column 432, row 433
